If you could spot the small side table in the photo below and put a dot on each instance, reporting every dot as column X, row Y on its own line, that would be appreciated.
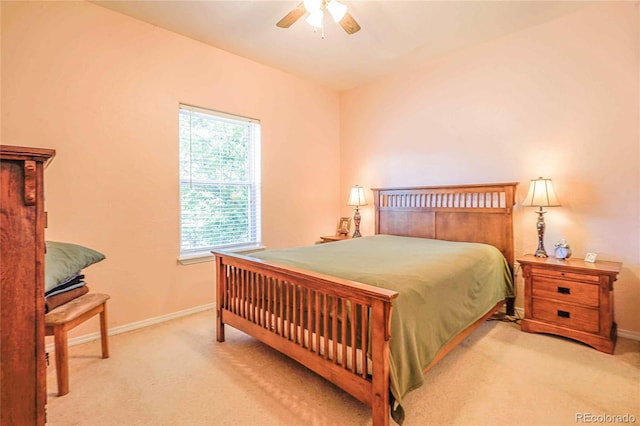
column 64, row 318
column 570, row 298
column 332, row 238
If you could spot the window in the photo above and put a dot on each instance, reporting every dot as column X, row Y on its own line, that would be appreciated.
column 219, row 181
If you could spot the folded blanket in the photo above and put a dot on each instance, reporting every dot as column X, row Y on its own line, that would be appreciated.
column 56, row 300
column 68, row 288
column 70, row 282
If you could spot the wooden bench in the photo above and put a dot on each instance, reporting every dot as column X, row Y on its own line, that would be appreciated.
column 65, row 317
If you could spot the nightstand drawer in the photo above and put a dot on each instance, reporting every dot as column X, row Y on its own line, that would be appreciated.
column 564, row 274
column 566, row 291
column 570, row 316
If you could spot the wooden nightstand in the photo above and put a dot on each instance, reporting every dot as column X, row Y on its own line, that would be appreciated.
column 570, row 298
column 331, row 238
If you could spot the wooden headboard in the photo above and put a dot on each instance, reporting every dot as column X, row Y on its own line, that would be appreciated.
column 480, row 213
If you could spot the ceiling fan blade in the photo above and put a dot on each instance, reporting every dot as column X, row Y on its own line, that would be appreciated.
column 349, row 24
column 292, row 16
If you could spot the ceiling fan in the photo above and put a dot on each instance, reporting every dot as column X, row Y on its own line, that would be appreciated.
column 316, row 9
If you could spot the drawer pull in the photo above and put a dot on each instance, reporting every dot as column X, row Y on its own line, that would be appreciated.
column 564, row 314
column 564, row 290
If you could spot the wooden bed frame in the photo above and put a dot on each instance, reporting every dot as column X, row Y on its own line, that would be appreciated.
column 283, row 306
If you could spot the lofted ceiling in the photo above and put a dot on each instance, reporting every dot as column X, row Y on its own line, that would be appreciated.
column 395, row 34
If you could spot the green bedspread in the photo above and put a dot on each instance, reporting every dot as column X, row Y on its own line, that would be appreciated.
column 443, row 288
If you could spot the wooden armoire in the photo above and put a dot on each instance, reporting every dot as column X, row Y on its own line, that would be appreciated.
column 22, row 223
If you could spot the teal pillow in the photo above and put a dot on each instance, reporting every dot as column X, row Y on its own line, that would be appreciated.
column 64, row 259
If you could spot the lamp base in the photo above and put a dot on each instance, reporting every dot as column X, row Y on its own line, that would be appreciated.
column 356, row 221
column 540, row 252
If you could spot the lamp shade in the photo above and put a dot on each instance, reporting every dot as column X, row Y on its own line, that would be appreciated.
column 356, row 197
column 312, row 5
column 336, row 9
column 541, row 194
column 315, row 18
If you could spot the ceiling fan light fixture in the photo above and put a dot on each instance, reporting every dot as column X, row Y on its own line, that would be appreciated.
column 315, row 18
column 313, row 5
column 336, row 9
column 315, row 10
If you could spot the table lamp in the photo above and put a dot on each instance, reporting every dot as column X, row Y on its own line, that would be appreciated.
column 541, row 194
column 356, row 198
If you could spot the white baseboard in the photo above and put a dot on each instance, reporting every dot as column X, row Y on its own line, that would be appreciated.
column 627, row 334
column 134, row 325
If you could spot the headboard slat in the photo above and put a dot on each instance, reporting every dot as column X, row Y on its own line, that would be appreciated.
column 475, row 213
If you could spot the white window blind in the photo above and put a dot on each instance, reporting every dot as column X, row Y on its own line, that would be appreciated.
column 219, row 180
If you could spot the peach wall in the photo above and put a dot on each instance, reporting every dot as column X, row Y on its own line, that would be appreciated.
column 558, row 100
column 103, row 90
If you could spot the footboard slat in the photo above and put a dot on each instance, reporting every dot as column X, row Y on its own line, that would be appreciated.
column 316, row 327
column 325, row 328
column 365, row 342
column 280, row 327
column 343, row 352
column 352, row 336
column 320, row 321
column 333, row 330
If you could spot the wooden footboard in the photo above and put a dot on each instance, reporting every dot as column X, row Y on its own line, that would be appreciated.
column 320, row 321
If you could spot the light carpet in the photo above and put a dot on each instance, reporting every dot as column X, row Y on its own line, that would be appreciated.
column 176, row 373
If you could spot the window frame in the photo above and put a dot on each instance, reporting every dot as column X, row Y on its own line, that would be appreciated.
column 200, row 254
